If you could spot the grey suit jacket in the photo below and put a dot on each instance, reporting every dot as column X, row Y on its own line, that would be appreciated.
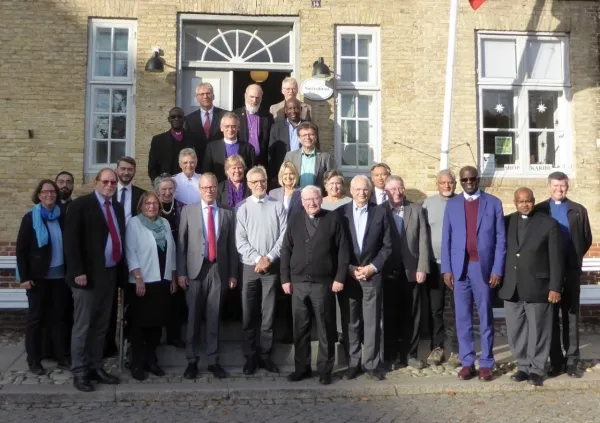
column 414, row 241
column 323, row 163
column 278, row 110
column 295, row 202
column 191, row 243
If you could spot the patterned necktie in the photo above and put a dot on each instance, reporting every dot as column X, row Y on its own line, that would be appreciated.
column 383, row 197
column 212, row 237
column 207, row 125
column 114, row 235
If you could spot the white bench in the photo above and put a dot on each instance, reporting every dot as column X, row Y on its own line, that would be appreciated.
column 11, row 299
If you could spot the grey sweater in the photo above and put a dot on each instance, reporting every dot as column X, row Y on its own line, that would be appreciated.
column 434, row 208
column 260, row 229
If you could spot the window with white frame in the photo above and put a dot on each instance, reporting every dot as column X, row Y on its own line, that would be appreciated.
column 110, row 92
column 357, row 129
column 524, row 115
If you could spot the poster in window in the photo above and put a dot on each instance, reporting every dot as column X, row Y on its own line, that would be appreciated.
column 503, row 146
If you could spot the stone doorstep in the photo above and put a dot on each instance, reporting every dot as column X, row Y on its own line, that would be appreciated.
column 277, row 391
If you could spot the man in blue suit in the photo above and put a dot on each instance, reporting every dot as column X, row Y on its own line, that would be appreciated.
column 473, row 255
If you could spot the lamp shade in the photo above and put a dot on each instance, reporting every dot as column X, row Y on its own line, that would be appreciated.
column 320, row 69
column 154, row 64
column 259, row 76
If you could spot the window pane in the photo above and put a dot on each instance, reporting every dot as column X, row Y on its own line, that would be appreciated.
column 121, row 40
column 363, row 70
column 364, row 102
column 542, row 149
column 103, row 39
column 544, row 60
column 102, row 100
column 364, row 41
column 499, row 58
column 498, row 109
column 101, row 153
column 543, row 109
column 348, row 45
column 500, row 149
column 363, row 132
column 348, row 109
column 118, row 127
column 119, row 103
column 349, row 155
column 363, row 155
column 348, row 70
column 120, row 64
column 101, row 127
column 102, row 64
column 348, row 131
column 117, row 150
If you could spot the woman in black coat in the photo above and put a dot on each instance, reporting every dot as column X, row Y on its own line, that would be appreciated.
column 41, row 271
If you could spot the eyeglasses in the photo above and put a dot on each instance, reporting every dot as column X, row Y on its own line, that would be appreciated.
column 469, row 179
column 48, row 192
column 204, row 94
column 260, row 181
column 106, row 182
column 212, row 188
column 234, row 127
column 151, row 203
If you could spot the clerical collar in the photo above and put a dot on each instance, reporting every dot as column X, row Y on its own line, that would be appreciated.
column 559, row 202
column 230, row 142
column 524, row 216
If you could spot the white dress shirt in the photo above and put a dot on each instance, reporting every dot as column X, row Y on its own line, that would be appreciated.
column 286, row 201
column 360, row 223
column 187, row 191
column 127, row 202
column 472, row 197
column 215, row 210
column 380, row 196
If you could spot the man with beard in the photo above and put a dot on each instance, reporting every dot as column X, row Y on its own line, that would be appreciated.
column 127, row 194
column 65, row 182
column 255, row 123
column 164, row 148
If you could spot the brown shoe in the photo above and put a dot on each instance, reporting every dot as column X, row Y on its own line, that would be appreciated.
column 485, row 374
column 466, row 373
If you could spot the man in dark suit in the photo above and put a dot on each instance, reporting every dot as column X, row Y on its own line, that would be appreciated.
column 93, row 243
column 379, row 173
column 533, row 279
column 314, row 264
column 65, row 181
column 164, row 148
column 368, row 228
column 403, row 293
column 204, row 124
column 218, row 151
column 574, row 224
column 255, row 123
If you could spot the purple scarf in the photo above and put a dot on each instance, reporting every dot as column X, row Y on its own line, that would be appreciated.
column 234, row 196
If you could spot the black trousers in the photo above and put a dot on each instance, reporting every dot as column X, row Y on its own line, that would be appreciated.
column 110, row 342
column 391, row 315
column 319, row 298
column 442, row 330
column 410, row 319
column 48, row 305
column 568, row 308
column 144, row 341
column 177, row 316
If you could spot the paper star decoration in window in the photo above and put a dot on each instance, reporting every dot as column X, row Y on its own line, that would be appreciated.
column 541, row 108
column 499, row 108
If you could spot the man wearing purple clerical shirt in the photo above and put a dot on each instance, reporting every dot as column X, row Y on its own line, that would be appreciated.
column 255, row 123
column 218, row 151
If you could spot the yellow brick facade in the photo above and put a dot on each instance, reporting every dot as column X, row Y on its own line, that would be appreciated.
column 44, row 63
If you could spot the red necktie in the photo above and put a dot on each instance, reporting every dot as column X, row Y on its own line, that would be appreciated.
column 207, row 126
column 212, row 237
column 114, row 235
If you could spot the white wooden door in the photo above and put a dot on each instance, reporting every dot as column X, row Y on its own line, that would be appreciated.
column 222, row 82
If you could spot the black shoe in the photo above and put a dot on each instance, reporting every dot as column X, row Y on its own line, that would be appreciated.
column 82, row 383
column 554, row 371
column 520, row 376
column 37, row 369
column 177, row 343
column 139, row 374
column 250, row 366
column 352, row 373
column 268, row 365
column 376, row 374
column 572, row 370
column 298, row 376
column 101, row 376
column 155, row 370
column 217, row 371
column 325, row 378
column 64, row 365
column 191, row 371
column 536, row 380
column 400, row 363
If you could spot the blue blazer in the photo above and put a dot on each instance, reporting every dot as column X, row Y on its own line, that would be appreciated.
column 491, row 239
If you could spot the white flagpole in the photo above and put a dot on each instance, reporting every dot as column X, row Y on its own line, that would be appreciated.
column 447, row 121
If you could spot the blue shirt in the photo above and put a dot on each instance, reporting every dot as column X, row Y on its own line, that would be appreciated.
column 215, row 212
column 57, row 269
column 108, row 259
column 559, row 210
column 293, row 132
column 360, row 223
column 307, row 168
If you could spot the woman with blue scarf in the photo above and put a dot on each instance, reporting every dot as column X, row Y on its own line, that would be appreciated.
column 151, row 259
column 41, row 271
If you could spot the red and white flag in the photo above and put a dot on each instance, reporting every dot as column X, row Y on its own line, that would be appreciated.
column 476, row 3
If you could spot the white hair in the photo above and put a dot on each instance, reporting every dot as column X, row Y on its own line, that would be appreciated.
column 445, row 172
column 311, row 188
column 361, row 178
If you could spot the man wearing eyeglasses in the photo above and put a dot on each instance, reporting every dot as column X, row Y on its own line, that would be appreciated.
column 164, row 148
column 289, row 89
column 473, row 257
column 95, row 262
column 261, row 224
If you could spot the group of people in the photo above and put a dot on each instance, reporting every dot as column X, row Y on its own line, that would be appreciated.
column 238, row 202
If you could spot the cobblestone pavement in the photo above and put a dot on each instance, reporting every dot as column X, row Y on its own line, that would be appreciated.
column 547, row 407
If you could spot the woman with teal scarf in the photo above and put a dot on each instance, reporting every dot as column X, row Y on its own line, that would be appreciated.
column 41, row 271
column 150, row 252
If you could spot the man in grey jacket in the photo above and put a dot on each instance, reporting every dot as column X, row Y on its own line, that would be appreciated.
column 261, row 225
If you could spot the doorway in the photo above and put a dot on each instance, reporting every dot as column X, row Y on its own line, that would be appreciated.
column 271, row 88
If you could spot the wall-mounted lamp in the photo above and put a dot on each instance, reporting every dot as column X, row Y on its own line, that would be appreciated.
column 154, row 64
column 320, row 69
column 259, row 76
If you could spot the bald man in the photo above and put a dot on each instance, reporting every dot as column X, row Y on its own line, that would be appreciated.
column 255, row 123
column 533, row 279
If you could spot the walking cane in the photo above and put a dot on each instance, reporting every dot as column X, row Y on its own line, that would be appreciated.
column 121, row 320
